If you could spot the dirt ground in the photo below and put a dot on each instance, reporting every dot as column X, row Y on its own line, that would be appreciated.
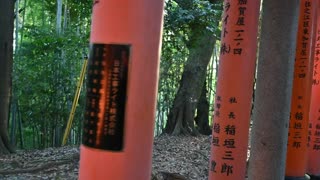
column 173, row 158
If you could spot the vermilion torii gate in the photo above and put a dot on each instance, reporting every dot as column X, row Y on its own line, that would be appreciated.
column 313, row 166
column 121, row 90
column 123, row 64
column 273, row 94
column 297, row 154
column 283, row 83
column 234, row 90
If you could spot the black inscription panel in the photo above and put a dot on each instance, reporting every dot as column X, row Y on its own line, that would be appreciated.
column 106, row 96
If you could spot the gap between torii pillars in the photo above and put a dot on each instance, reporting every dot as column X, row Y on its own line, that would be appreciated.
column 122, row 80
column 296, row 162
column 313, row 168
column 234, row 90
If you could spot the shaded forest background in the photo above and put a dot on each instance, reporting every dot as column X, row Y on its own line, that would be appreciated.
column 51, row 40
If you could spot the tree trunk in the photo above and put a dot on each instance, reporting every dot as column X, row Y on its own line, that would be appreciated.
column 202, row 118
column 181, row 117
column 201, row 45
column 57, row 136
column 6, row 51
column 59, row 16
column 20, row 126
column 13, row 122
column 273, row 89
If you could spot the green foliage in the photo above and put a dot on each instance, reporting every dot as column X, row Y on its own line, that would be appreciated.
column 47, row 67
column 186, row 17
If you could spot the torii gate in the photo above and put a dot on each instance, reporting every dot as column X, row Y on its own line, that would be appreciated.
column 123, row 65
column 121, row 94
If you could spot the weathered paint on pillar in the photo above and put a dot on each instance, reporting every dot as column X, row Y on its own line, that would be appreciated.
column 296, row 162
column 122, row 82
column 234, row 90
column 314, row 115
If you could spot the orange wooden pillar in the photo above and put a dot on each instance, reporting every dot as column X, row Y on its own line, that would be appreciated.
column 122, row 81
column 234, row 90
column 296, row 162
column 314, row 116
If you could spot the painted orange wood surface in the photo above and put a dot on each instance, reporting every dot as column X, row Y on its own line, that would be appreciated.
column 296, row 162
column 234, row 90
column 314, row 115
column 138, row 26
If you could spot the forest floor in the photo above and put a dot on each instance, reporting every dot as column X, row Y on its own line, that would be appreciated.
column 185, row 158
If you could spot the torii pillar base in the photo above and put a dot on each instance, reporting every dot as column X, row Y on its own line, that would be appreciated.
column 314, row 177
column 306, row 177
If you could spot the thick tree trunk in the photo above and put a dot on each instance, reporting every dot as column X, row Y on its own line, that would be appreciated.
column 181, row 117
column 201, row 44
column 202, row 118
column 273, row 90
column 6, row 51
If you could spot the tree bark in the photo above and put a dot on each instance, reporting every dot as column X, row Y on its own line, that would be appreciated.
column 181, row 116
column 202, row 118
column 273, row 89
column 6, row 51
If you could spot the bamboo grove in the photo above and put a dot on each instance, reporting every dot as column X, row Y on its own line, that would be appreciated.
column 50, row 43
